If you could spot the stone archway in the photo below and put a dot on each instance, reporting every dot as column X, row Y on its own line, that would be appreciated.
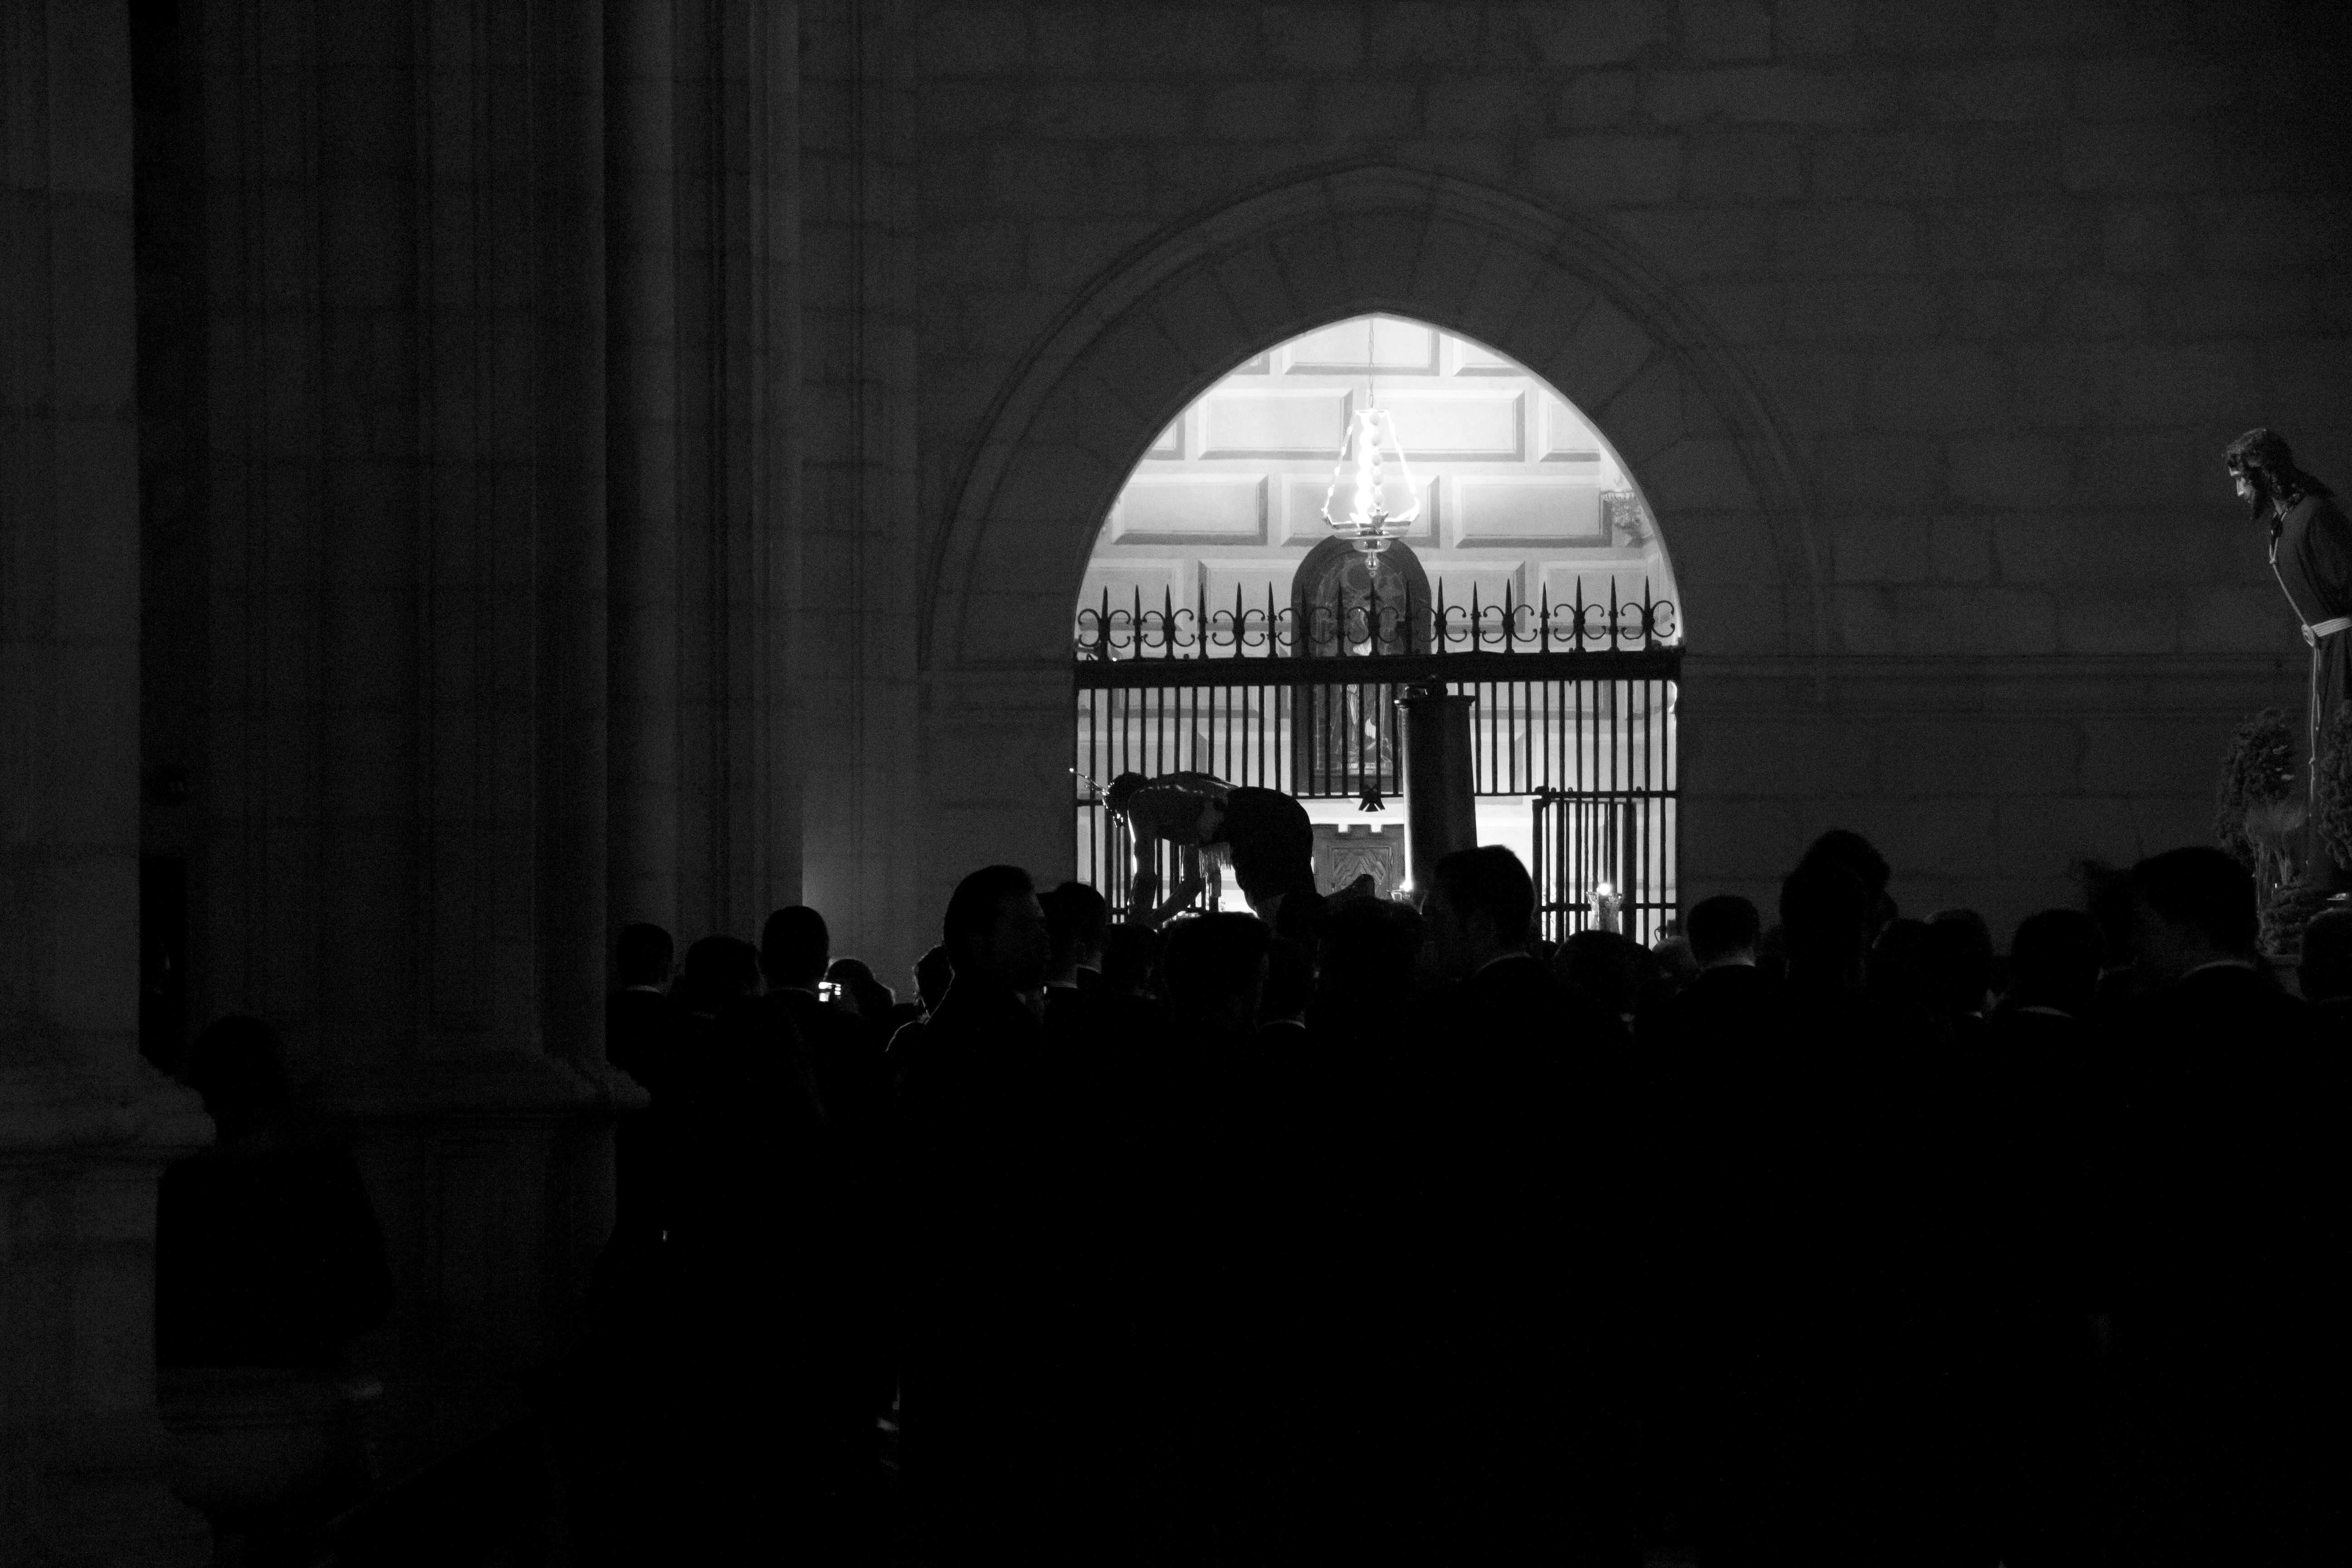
column 1573, row 303
column 1570, row 301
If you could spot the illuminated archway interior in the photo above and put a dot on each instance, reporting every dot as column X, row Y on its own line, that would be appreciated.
column 1522, row 502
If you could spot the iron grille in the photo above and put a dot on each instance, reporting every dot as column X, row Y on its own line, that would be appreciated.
column 1574, row 709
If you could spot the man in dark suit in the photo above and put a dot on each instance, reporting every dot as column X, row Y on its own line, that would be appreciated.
column 2226, row 1138
column 1526, row 1109
column 983, row 1365
column 1807, row 1221
column 1075, row 919
column 1729, row 1003
column 852, row 1080
column 2024, row 1136
column 1696, row 1047
column 851, row 1210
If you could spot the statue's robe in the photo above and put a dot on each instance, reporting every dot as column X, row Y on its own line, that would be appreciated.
column 2310, row 551
column 2310, row 554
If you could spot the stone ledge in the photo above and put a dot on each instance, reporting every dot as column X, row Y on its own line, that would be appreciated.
column 2122, row 686
column 50, row 1115
column 510, row 1085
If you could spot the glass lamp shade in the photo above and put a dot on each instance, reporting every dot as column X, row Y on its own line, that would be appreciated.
column 1373, row 497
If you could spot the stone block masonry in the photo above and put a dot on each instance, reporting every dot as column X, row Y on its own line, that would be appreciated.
column 2006, row 275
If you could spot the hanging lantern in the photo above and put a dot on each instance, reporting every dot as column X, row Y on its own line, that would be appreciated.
column 1372, row 499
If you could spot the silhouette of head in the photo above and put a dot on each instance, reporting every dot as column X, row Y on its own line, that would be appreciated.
column 1844, row 847
column 643, row 955
column 2191, row 907
column 1481, row 906
column 2326, row 970
column 1215, row 967
column 1122, row 790
column 1075, row 917
column 995, row 930
column 238, row 1065
column 2053, row 962
column 1599, row 964
column 1722, row 929
column 719, row 971
column 858, row 982
column 794, row 948
column 1825, row 924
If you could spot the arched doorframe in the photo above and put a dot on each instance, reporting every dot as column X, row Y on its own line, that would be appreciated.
column 1571, row 300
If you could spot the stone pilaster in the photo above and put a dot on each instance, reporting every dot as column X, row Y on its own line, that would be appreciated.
column 855, row 616
column 642, row 456
column 704, row 400
column 406, row 783
column 85, row 1125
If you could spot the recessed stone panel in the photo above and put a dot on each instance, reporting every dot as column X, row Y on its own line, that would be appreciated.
column 1567, row 438
column 1477, row 359
column 1169, row 447
column 1275, row 423
column 1190, row 508
column 1515, row 510
column 1459, row 425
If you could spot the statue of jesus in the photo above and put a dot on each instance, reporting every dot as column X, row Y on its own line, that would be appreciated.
column 2311, row 557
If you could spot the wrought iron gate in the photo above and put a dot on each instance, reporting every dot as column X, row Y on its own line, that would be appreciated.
column 1587, row 845
column 1575, row 712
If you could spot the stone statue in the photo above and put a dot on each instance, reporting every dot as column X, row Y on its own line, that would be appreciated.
column 1262, row 834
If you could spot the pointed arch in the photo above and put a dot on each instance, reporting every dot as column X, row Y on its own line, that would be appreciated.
column 1564, row 297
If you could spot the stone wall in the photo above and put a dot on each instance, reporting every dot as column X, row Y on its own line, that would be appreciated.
column 1995, row 282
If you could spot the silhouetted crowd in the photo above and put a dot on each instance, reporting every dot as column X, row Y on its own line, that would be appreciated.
column 1370, row 1233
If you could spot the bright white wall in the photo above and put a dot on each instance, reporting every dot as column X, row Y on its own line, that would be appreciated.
column 1231, row 495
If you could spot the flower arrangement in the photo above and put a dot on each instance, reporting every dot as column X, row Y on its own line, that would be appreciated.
column 2258, row 809
column 2260, row 816
column 2331, row 805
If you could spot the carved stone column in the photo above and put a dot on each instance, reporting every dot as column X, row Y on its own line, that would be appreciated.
column 641, row 457
column 703, row 410
column 861, row 567
column 1441, row 788
column 85, row 1124
column 406, row 779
